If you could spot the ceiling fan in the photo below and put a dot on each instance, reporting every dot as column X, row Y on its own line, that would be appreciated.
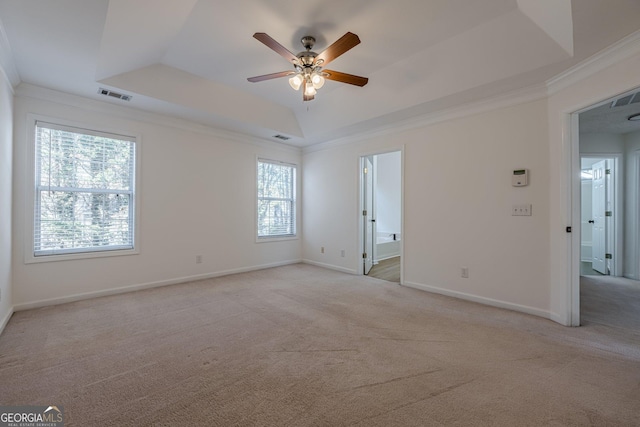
column 308, row 71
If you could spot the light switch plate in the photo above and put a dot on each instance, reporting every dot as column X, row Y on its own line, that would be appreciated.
column 521, row 210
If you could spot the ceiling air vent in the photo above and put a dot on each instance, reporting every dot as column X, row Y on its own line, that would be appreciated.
column 282, row 137
column 634, row 98
column 107, row 92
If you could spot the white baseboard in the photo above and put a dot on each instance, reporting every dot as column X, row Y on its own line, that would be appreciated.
column 4, row 321
column 141, row 286
column 330, row 266
column 482, row 300
column 563, row 320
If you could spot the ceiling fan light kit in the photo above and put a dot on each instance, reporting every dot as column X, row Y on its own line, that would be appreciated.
column 308, row 71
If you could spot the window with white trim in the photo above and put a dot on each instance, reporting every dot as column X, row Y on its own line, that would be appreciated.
column 84, row 190
column 276, row 199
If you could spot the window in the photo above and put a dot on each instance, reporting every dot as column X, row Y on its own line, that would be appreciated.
column 84, row 191
column 276, row 199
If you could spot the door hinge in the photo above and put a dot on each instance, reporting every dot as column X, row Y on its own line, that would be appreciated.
column 608, row 256
column 607, row 171
column 365, row 171
column 608, row 213
column 364, row 213
column 364, row 255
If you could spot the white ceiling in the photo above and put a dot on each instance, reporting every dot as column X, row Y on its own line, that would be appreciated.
column 191, row 58
column 612, row 116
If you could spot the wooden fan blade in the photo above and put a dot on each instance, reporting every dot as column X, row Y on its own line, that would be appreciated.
column 345, row 78
column 277, row 47
column 341, row 45
column 270, row 76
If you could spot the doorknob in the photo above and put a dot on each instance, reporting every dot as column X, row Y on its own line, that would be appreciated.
column 591, row 221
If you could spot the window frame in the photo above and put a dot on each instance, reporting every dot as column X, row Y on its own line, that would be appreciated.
column 293, row 200
column 32, row 192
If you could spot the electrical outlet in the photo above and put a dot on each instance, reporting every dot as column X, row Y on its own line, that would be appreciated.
column 464, row 272
column 342, row 253
column 321, row 249
column 198, row 259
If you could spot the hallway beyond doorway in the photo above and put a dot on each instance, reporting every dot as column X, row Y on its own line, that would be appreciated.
column 613, row 302
column 388, row 269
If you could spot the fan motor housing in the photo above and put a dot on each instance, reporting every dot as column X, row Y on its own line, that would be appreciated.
column 308, row 42
column 307, row 57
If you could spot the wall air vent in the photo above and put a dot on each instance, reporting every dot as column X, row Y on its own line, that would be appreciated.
column 282, row 137
column 107, row 92
column 634, row 98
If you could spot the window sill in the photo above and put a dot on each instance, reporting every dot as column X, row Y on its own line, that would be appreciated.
column 275, row 239
column 32, row 259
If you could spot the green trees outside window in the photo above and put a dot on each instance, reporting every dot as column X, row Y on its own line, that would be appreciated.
column 84, row 190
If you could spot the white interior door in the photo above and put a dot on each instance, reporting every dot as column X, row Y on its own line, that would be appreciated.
column 367, row 215
column 599, row 200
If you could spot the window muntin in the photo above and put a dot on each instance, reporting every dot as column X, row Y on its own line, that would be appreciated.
column 276, row 207
column 84, row 190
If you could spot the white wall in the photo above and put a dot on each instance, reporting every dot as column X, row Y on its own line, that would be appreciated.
column 457, row 200
column 6, row 180
column 330, row 207
column 601, row 143
column 388, row 189
column 197, row 198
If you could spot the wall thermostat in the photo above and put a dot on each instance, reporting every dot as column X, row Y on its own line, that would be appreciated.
column 520, row 177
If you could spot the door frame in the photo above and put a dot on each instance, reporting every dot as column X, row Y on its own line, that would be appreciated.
column 368, row 223
column 361, row 204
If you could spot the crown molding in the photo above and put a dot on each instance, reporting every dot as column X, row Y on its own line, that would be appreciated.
column 617, row 52
column 26, row 90
column 505, row 100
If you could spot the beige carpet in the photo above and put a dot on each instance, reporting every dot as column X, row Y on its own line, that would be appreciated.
column 612, row 302
column 303, row 346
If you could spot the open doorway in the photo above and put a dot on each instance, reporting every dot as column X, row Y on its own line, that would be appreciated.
column 609, row 211
column 381, row 224
column 601, row 215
